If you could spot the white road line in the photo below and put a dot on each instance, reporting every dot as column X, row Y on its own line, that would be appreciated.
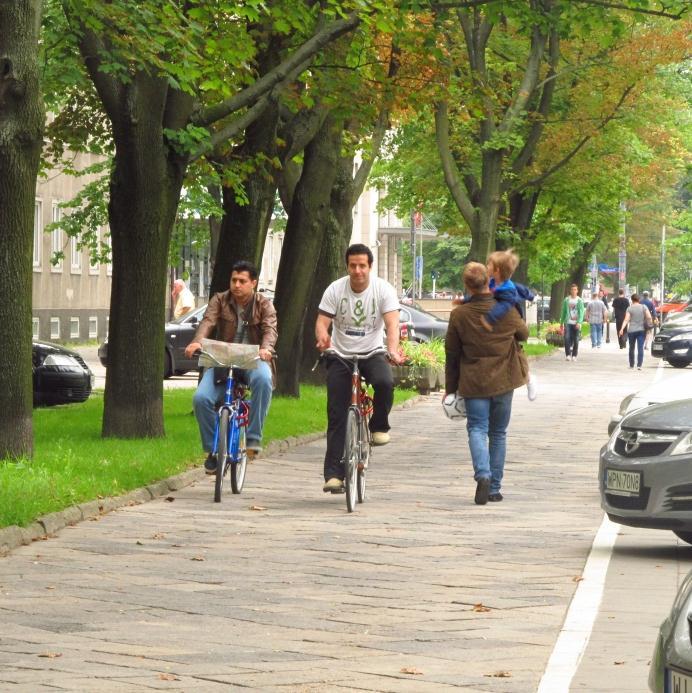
column 576, row 630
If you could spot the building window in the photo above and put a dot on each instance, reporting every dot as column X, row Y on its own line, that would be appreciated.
column 38, row 233
column 56, row 240
column 74, row 328
column 93, row 327
column 76, row 255
column 55, row 328
column 35, row 325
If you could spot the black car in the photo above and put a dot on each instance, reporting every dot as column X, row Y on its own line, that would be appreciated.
column 60, row 376
column 179, row 334
column 426, row 326
column 674, row 343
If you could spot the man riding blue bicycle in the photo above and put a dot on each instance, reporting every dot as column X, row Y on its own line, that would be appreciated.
column 358, row 308
column 242, row 316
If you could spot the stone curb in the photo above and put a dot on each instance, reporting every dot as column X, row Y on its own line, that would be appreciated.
column 48, row 525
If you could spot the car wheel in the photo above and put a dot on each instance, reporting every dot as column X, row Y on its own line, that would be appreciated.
column 678, row 363
column 167, row 366
column 685, row 536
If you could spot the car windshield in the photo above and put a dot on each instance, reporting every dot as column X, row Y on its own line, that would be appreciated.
column 197, row 313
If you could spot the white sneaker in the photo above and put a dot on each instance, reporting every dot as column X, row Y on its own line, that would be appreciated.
column 380, row 438
column 574, row 358
column 333, row 485
column 532, row 387
column 567, row 358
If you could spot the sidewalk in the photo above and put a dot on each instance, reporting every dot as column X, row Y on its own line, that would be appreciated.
column 418, row 590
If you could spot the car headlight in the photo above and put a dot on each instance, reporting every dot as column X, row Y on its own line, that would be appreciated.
column 625, row 403
column 61, row 360
column 683, row 446
column 611, row 443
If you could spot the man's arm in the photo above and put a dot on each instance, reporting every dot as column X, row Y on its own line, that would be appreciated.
column 391, row 324
column 452, row 358
column 324, row 322
column 206, row 325
column 268, row 330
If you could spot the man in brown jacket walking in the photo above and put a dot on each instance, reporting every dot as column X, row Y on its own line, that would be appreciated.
column 485, row 368
column 238, row 315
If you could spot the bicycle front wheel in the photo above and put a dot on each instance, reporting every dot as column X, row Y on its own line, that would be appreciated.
column 221, row 454
column 239, row 462
column 364, row 458
column 351, row 458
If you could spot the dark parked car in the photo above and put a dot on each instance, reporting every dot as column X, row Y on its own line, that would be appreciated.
column 674, row 342
column 60, row 376
column 645, row 471
column 426, row 326
column 179, row 334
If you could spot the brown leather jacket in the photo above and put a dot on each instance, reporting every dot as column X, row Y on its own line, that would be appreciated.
column 481, row 363
column 221, row 322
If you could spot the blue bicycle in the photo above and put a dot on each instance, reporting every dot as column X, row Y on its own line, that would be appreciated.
column 230, row 435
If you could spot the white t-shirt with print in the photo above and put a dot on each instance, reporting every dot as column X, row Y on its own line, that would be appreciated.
column 358, row 322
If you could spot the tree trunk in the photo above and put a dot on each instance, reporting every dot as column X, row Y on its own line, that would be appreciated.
column 558, row 291
column 301, row 251
column 337, row 234
column 244, row 226
column 21, row 138
column 145, row 189
column 522, row 206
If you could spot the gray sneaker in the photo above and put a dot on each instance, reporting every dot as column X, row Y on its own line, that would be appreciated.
column 333, row 485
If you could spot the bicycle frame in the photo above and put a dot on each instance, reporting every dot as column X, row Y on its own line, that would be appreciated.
column 239, row 414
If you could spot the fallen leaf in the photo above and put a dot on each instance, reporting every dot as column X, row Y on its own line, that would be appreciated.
column 480, row 608
column 177, row 546
column 139, row 543
column 197, row 558
column 257, row 507
column 499, row 675
column 168, row 677
column 50, row 587
column 577, row 578
column 51, row 655
column 618, row 663
column 170, row 499
column 411, row 670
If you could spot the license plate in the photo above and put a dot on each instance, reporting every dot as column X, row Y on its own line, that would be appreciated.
column 656, row 349
column 677, row 682
column 620, row 483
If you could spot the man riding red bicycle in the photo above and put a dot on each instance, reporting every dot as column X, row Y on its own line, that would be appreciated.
column 358, row 308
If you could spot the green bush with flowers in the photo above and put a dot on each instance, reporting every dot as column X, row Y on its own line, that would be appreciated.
column 424, row 364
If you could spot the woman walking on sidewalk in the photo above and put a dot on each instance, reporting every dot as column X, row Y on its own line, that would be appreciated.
column 571, row 319
column 636, row 320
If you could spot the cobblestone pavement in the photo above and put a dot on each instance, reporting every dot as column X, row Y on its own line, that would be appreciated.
column 279, row 589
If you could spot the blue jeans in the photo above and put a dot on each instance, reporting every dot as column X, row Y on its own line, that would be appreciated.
column 638, row 339
column 596, row 334
column 208, row 394
column 487, row 419
column 572, row 337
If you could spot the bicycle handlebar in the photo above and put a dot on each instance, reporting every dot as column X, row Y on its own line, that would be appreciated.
column 202, row 352
column 331, row 351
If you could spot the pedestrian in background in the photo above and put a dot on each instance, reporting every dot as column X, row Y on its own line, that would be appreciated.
column 183, row 300
column 571, row 318
column 620, row 306
column 596, row 316
column 649, row 331
column 636, row 320
column 485, row 368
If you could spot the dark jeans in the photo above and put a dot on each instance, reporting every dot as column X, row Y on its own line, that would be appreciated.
column 377, row 372
column 622, row 338
column 572, row 337
column 638, row 339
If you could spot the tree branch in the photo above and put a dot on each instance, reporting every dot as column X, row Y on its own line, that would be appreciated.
column 298, row 60
column 448, row 167
column 628, row 8
column 566, row 159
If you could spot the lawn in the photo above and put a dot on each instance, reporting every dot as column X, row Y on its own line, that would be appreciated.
column 73, row 464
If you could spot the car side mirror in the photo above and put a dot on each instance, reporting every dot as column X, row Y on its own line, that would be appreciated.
column 194, row 320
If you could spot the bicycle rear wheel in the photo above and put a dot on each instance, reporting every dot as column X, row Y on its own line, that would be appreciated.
column 239, row 463
column 221, row 454
column 351, row 457
column 364, row 457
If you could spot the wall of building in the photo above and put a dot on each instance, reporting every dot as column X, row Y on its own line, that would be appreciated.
column 71, row 298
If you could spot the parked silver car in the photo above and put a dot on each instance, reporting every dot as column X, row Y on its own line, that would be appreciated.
column 645, row 469
column 671, row 665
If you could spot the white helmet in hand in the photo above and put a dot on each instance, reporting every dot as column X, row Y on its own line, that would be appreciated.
column 454, row 406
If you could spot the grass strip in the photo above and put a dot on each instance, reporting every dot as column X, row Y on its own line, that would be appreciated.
column 73, row 464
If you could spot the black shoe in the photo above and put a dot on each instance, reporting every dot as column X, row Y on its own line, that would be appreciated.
column 210, row 464
column 482, row 491
column 495, row 497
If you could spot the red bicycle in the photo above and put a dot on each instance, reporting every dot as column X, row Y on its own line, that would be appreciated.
column 358, row 442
